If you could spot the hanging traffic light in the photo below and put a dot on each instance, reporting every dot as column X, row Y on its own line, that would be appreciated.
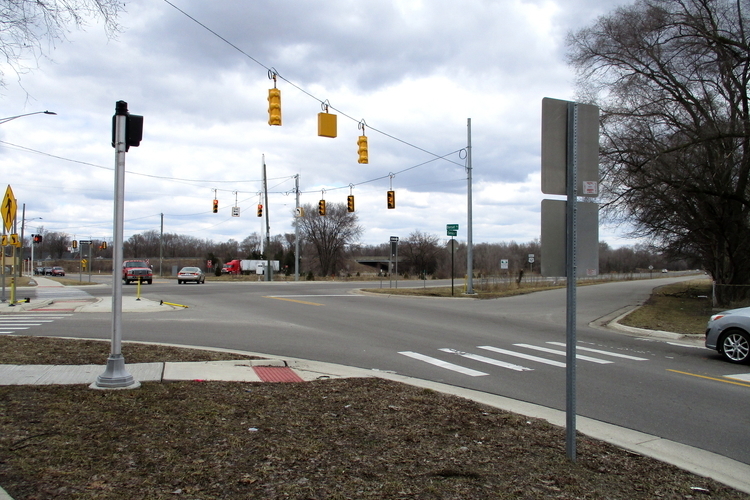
column 75, row 243
column 350, row 203
column 103, row 246
column 322, row 207
column 391, row 199
column 260, row 210
column 274, row 106
column 362, row 143
column 216, row 206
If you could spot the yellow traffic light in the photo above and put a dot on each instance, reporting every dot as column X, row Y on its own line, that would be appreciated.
column 260, row 210
column 391, row 199
column 322, row 207
column 274, row 106
column 216, row 206
column 350, row 203
column 75, row 243
column 103, row 246
column 362, row 143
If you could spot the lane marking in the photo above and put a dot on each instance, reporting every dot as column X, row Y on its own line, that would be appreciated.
column 598, row 351
column 490, row 361
column 443, row 364
column 13, row 325
column 293, row 300
column 710, row 378
column 522, row 355
column 745, row 377
column 313, row 295
column 563, row 353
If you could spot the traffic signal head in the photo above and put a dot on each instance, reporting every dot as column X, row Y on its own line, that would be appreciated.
column 37, row 238
column 75, row 243
column 322, row 207
column 391, row 199
column 274, row 106
column 362, row 143
column 216, row 206
column 350, row 203
column 260, row 210
column 103, row 246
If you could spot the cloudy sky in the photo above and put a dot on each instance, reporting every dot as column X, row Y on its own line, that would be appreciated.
column 413, row 70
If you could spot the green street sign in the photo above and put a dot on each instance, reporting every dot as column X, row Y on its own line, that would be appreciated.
column 452, row 233
column 452, row 227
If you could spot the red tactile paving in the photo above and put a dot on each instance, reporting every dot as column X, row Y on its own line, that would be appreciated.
column 276, row 374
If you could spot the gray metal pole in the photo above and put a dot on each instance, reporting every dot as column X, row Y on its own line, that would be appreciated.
column 296, row 230
column 469, row 237
column 23, row 222
column 161, row 246
column 570, row 350
column 269, row 271
column 115, row 374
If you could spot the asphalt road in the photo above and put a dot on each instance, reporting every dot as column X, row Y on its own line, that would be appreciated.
column 673, row 389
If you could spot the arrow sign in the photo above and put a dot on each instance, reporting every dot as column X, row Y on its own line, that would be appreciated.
column 9, row 209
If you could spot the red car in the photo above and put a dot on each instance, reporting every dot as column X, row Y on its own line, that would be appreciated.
column 57, row 271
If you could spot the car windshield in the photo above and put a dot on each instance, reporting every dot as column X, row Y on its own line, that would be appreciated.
column 136, row 263
column 190, row 270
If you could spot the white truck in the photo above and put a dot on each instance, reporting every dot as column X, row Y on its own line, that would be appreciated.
column 249, row 266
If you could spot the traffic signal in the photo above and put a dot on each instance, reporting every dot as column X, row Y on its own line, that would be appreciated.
column 391, row 199
column 260, row 210
column 322, row 207
column 350, row 203
column 216, row 206
column 75, row 243
column 274, row 106
column 362, row 143
column 37, row 238
column 103, row 246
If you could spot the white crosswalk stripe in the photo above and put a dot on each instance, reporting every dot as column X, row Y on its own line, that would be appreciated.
column 605, row 353
column 516, row 354
column 490, row 361
column 563, row 353
column 444, row 364
column 10, row 323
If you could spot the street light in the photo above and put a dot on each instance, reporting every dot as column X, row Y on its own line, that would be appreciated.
column 5, row 120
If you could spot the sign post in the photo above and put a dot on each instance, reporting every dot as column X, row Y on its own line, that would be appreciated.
column 394, row 256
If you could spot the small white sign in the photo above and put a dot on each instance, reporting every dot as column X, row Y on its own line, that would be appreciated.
column 299, row 212
column 235, row 211
column 504, row 264
column 531, row 258
column 590, row 188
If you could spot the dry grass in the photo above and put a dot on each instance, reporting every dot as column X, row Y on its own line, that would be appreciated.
column 681, row 308
column 330, row 439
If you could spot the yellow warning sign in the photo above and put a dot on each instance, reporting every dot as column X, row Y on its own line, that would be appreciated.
column 9, row 209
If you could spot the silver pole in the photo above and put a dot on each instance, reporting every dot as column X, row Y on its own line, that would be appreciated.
column 570, row 350
column 469, row 250
column 23, row 223
column 296, row 231
column 269, row 271
column 115, row 374
column 161, row 246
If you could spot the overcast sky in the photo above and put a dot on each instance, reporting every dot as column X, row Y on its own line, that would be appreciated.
column 413, row 70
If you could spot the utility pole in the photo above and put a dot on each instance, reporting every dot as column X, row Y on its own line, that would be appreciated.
column 296, row 229
column 469, row 245
column 269, row 271
column 161, row 245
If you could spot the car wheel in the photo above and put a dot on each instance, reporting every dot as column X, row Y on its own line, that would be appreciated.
column 735, row 346
column 149, row 281
column 179, row 282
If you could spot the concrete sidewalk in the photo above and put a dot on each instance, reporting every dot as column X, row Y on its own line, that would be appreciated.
column 271, row 369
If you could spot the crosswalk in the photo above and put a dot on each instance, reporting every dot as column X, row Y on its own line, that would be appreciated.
column 13, row 323
column 530, row 354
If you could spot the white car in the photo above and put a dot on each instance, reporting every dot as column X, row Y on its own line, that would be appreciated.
column 190, row 274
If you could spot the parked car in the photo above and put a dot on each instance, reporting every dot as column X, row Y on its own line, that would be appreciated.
column 47, row 271
column 190, row 274
column 729, row 333
column 57, row 271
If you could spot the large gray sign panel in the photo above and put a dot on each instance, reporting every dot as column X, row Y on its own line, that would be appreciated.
column 554, row 147
column 553, row 238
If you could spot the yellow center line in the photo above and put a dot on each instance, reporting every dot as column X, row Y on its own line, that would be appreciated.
column 293, row 300
column 711, row 378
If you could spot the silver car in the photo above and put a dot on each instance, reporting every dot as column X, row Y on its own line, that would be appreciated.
column 729, row 333
column 190, row 274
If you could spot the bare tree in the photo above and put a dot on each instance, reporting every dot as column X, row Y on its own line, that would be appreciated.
column 671, row 78
column 28, row 26
column 421, row 251
column 328, row 235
